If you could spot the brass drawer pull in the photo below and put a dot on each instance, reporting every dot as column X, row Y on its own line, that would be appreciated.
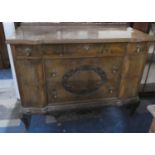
column 138, row 49
column 86, row 47
column 111, row 90
column 104, row 50
column 28, row 51
column 115, row 69
column 54, row 92
column 53, row 74
column 107, row 50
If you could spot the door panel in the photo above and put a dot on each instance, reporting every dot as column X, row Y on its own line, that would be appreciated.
column 30, row 75
column 71, row 80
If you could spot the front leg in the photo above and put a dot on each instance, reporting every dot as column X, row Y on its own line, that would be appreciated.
column 133, row 107
column 26, row 119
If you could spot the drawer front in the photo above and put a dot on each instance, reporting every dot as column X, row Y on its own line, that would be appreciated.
column 28, row 51
column 53, row 50
column 73, row 80
column 84, row 50
column 137, row 48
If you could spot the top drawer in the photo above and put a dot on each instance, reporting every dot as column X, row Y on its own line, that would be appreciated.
column 84, row 50
column 28, row 51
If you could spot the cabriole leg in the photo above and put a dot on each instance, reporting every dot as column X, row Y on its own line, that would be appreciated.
column 26, row 119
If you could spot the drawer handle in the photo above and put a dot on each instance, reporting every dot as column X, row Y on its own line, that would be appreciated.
column 53, row 74
column 104, row 50
column 111, row 90
column 86, row 47
column 107, row 50
column 138, row 50
column 28, row 51
column 54, row 93
column 115, row 69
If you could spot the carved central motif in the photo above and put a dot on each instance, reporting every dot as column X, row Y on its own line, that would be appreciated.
column 84, row 79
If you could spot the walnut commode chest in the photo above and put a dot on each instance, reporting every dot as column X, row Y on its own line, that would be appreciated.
column 72, row 67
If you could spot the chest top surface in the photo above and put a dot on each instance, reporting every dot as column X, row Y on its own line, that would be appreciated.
column 55, row 34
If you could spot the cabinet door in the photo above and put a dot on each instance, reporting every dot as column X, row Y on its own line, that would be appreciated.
column 74, row 80
column 31, row 82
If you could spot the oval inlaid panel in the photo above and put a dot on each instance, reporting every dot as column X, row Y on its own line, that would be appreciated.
column 84, row 79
